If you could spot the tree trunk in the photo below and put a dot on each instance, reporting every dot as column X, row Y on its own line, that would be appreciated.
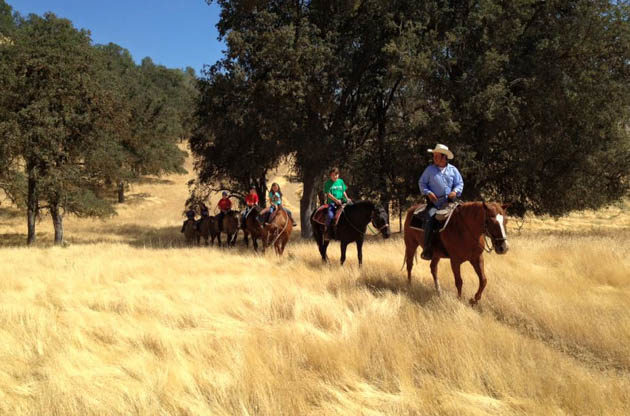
column 57, row 218
column 121, row 192
column 400, row 216
column 32, row 206
column 261, row 190
column 306, row 204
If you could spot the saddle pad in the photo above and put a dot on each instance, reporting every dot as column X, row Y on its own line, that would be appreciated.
column 319, row 216
column 420, row 209
column 417, row 222
column 338, row 214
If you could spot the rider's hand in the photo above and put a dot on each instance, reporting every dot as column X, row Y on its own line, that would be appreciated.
column 432, row 197
column 348, row 201
column 452, row 195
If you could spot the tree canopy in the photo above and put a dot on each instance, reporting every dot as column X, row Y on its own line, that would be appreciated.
column 76, row 119
column 531, row 95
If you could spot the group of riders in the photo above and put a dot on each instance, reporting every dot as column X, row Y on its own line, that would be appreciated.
column 441, row 183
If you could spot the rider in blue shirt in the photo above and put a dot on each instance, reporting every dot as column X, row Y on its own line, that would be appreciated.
column 441, row 182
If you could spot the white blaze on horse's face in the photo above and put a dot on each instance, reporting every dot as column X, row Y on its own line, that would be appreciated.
column 505, row 247
column 500, row 221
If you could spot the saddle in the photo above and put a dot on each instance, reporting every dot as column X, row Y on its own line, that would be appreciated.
column 442, row 215
column 319, row 216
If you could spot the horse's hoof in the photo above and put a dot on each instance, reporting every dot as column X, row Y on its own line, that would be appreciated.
column 473, row 302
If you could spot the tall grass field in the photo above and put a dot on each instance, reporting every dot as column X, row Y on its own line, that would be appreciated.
column 126, row 320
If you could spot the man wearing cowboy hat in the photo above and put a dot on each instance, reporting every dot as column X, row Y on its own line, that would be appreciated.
column 440, row 182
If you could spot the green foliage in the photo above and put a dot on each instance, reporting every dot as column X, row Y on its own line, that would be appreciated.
column 76, row 119
column 531, row 95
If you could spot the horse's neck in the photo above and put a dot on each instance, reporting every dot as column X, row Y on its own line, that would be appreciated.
column 469, row 218
column 359, row 215
column 281, row 214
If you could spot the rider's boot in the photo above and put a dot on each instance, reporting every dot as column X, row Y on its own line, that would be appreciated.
column 427, row 252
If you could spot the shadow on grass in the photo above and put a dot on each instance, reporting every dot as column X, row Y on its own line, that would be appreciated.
column 12, row 240
column 10, row 213
column 380, row 283
column 151, row 180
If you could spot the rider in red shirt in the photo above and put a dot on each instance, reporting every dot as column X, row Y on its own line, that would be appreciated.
column 251, row 199
column 224, row 205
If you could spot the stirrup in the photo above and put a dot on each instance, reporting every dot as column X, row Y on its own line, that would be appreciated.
column 426, row 255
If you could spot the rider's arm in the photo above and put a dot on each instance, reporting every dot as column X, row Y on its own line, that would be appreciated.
column 331, row 196
column 423, row 182
column 458, row 183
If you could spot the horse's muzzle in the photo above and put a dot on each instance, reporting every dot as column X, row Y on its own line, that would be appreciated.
column 502, row 248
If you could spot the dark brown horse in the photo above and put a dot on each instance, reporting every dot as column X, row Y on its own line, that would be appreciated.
column 230, row 227
column 190, row 232
column 462, row 240
column 277, row 233
column 208, row 229
column 352, row 225
column 252, row 227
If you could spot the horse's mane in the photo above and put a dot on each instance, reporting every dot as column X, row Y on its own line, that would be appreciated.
column 361, row 204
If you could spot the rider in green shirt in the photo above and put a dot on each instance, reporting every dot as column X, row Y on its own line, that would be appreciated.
column 335, row 190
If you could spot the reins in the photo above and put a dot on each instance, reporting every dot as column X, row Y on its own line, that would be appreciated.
column 486, row 234
column 286, row 224
column 368, row 224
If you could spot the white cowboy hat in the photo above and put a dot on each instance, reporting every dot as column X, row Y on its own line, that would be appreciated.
column 440, row 148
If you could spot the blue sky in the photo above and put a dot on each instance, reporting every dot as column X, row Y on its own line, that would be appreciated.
column 174, row 33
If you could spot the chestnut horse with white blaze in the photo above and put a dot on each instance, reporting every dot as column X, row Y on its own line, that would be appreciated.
column 463, row 239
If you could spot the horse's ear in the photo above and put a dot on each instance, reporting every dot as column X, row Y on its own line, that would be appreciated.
column 505, row 206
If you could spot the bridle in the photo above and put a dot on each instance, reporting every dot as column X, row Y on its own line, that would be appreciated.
column 486, row 234
column 374, row 213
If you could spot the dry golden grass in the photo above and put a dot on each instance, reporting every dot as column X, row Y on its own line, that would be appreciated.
column 127, row 321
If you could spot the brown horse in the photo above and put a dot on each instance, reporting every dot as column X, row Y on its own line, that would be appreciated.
column 253, row 227
column 278, row 232
column 462, row 240
column 190, row 232
column 208, row 229
column 230, row 227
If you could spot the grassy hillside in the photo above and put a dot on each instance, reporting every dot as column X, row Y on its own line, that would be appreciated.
column 128, row 321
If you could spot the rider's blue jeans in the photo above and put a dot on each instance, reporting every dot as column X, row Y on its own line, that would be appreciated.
column 330, row 214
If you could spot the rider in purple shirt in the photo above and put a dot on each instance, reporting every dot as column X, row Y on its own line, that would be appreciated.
column 441, row 182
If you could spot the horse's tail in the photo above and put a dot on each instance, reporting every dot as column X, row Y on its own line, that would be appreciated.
column 404, row 262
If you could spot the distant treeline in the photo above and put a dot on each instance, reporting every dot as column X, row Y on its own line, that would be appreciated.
column 79, row 122
column 532, row 96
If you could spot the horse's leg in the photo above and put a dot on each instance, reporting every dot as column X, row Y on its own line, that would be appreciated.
column 410, row 252
column 360, row 251
column 246, row 239
column 255, row 242
column 434, row 270
column 322, row 250
column 219, row 239
column 343, row 246
column 479, row 269
column 455, row 266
